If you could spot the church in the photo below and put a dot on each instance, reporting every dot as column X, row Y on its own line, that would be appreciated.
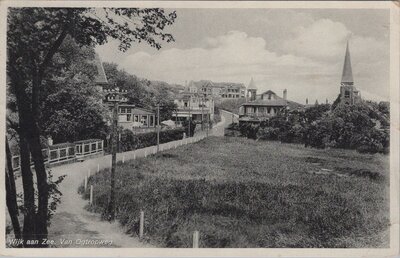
column 349, row 94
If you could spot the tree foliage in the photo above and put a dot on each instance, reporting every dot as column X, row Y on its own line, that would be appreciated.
column 346, row 126
column 34, row 39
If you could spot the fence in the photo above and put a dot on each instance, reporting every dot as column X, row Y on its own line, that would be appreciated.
column 64, row 152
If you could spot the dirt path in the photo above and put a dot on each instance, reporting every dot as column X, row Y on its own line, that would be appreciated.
column 73, row 226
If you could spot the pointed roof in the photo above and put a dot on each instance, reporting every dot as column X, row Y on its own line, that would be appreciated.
column 347, row 75
column 101, row 77
column 252, row 85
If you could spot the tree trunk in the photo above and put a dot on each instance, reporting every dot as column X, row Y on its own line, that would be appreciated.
column 11, row 194
column 26, row 173
column 29, row 193
column 42, row 185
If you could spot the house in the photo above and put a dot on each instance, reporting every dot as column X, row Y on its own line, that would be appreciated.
column 129, row 115
column 223, row 90
column 193, row 106
column 265, row 105
column 132, row 117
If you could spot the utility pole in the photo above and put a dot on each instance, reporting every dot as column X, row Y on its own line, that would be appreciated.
column 190, row 116
column 202, row 113
column 116, row 97
column 158, row 127
column 208, row 118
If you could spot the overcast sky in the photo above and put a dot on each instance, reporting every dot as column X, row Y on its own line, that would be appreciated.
column 300, row 50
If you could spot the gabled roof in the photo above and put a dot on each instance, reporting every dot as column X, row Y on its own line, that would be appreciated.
column 269, row 92
column 347, row 74
column 101, row 77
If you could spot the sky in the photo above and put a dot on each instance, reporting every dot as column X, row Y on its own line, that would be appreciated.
column 301, row 50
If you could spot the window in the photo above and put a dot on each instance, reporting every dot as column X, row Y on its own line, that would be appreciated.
column 128, row 117
column 136, row 118
column 269, row 109
column 269, row 97
column 347, row 94
column 185, row 104
column 151, row 120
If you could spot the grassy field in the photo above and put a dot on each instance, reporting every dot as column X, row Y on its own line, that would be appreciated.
column 242, row 193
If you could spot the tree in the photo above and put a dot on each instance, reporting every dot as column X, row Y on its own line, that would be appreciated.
column 70, row 104
column 35, row 36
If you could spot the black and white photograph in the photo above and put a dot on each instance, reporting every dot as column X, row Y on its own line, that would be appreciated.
column 199, row 127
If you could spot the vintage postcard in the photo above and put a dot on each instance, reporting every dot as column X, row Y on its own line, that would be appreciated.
column 184, row 128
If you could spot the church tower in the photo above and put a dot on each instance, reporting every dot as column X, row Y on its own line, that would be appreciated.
column 348, row 93
column 251, row 91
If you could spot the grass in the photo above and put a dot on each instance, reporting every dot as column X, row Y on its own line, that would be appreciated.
column 242, row 193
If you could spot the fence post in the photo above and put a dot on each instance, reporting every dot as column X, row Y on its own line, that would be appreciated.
column 196, row 239
column 86, row 179
column 88, row 173
column 141, row 224
column 123, row 158
column 98, row 167
column 145, row 153
column 91, row 195
column 134, row 155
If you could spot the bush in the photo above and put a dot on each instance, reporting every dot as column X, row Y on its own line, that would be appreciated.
column 268, row 133
column 249, row 130
column 186, row 127
column 131, row 141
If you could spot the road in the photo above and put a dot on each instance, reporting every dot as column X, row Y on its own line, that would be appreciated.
column 73, row 222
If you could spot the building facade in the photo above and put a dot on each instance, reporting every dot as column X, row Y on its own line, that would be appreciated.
column 193, row 106
column 129, row 115
column 261, row 107
column 223, row 90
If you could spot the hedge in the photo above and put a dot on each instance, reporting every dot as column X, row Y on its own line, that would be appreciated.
column 131, row 141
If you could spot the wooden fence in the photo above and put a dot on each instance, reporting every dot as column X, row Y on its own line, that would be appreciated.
column 65, row 152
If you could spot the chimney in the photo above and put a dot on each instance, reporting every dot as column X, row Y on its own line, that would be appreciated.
column 285, row 94
column 306, row 101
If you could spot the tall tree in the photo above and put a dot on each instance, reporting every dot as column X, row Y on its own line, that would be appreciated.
column 34, row 37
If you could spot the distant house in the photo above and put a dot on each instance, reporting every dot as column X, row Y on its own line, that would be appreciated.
column 132, row 117
column 223, row 90
column 194, row 106
column 129, row 115
column 260, row 107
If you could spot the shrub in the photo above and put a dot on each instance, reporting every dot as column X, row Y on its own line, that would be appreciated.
column 249, row 130
column 186, row 127
column 268, row 133
column 131, row 141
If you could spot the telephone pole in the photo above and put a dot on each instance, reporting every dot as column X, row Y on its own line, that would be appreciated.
column 116, row 97
column 190, row 116
column 208, row 121
column 202, row 113
column 158, row 127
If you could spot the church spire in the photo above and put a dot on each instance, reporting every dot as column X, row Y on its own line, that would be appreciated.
column 347, row 75
column 252, row 85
